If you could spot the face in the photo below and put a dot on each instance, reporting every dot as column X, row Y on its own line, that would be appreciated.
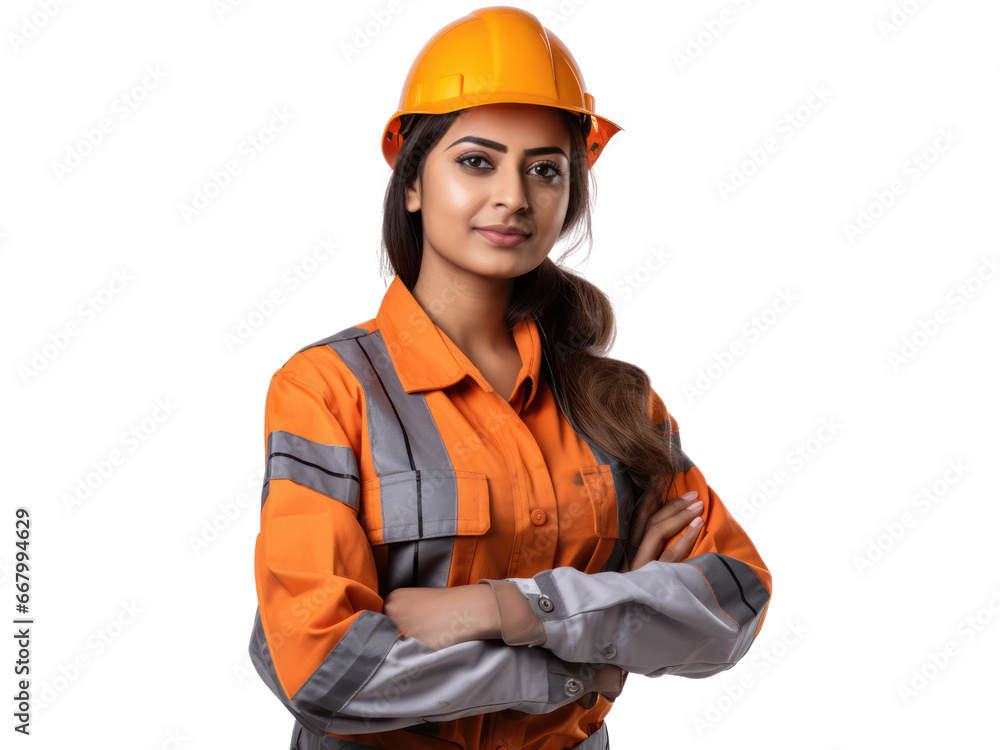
column 497, row 165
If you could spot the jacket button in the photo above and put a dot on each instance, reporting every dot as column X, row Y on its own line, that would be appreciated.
column 573, row 686
column 538, row 516
column 545, row 604
column 609, row 652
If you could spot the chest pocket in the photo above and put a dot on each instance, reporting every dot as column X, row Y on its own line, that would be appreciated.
column 611, row 495
column 423, row 504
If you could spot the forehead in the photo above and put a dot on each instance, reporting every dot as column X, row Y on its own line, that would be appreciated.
column 513, row 125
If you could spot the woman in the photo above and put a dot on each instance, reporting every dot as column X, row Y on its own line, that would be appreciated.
column 473, row 523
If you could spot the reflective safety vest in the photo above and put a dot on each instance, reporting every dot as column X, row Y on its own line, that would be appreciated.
column 391, row 461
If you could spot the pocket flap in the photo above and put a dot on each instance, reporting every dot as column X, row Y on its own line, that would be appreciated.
column 425, row 503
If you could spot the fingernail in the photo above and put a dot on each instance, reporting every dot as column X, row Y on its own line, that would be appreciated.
column 696, row 506
column 690, row 495
column 696, row 523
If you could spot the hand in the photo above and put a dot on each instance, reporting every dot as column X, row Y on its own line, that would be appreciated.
column 439, row 618
column 655, row 522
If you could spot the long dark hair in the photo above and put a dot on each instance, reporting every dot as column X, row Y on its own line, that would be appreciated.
column 607, row 399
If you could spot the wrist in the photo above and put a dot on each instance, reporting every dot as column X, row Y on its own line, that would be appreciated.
column 488, row 611
column 516, row 623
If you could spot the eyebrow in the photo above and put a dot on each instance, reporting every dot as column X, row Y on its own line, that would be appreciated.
column 503, row 149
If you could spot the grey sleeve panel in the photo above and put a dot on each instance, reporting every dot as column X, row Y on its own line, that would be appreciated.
column 416, row 684
column 694, row 618
column 373, row 681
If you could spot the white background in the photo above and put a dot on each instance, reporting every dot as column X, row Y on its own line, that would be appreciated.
column 817, row 380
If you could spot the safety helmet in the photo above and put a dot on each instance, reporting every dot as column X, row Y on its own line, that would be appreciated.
column 493, row 55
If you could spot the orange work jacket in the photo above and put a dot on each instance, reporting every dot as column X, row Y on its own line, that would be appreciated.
column 392, row 462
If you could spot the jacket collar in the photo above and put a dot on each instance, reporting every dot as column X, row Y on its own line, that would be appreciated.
column 425, row 358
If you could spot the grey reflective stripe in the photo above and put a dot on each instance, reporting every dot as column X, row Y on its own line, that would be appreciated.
column 737, row 588
column 404, row 438
column 351, row 663
column 423, row 562
column 329, row 469
column 260, row 656
column 347, row 333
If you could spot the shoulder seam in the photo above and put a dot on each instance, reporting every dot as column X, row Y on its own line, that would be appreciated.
column 292, row 375
column 343, row 372
column 339, row 336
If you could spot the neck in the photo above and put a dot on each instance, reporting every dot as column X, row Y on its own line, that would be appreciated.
column 468, row 307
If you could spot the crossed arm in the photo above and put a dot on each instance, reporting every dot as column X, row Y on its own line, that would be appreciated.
column 343, row 660
column 501, row 611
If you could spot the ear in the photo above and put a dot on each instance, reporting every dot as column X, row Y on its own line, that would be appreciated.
column 413, row 196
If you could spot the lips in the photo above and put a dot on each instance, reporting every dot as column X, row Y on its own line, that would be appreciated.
column 503, row 229
column 501, row 239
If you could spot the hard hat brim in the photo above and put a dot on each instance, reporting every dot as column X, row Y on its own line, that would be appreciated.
column 602, row 129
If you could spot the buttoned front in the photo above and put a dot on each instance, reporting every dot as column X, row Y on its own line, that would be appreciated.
column 392, row 462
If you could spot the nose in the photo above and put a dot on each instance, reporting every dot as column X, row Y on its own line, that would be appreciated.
column 508, row 187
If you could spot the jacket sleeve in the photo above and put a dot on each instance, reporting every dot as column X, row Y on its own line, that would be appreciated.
column 694, row 618
column 320, row 641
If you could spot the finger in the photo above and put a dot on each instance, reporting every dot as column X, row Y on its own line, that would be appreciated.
column 672, row 518
column 663, row 528
column 680, row 549
column 676, row 506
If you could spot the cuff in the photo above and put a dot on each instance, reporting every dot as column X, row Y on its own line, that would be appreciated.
column 608, row 683
column 519, row 625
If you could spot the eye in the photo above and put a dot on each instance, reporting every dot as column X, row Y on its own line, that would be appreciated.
column 472, row 157
column 549, row 165
column 474, row 160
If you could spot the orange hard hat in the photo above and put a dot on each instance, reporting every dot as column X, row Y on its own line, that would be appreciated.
column 493, row 55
